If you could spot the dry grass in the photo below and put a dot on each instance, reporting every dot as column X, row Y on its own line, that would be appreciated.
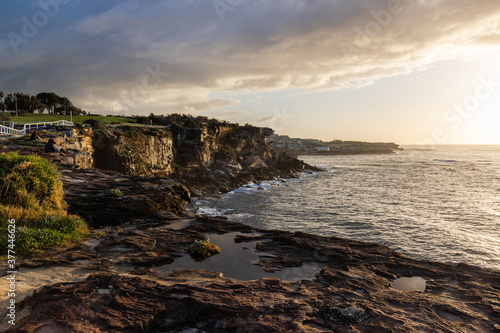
column 31, row 194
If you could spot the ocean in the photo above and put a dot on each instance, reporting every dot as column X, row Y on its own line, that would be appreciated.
column 440, row 204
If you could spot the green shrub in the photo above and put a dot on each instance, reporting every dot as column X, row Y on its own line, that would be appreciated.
column 29, row 182
column 38, row 229
column 31, row 194
column 65, row 231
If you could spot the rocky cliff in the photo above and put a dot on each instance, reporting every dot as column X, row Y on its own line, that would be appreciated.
column 161, row 150
column 209, row 158
column 132, row 150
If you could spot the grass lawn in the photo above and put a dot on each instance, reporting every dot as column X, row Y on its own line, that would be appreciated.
column 33, row 118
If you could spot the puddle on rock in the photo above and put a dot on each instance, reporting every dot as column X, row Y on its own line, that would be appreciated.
column 237, row 261
column 409, row 284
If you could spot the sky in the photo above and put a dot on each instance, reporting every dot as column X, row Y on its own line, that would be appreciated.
column 405, row 71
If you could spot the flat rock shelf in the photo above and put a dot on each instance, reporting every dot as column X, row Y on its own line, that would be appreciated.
column 121, row 283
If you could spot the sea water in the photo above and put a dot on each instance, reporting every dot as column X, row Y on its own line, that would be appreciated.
column 440, row 204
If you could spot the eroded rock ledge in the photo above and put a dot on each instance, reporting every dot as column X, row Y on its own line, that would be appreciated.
column 127, row 290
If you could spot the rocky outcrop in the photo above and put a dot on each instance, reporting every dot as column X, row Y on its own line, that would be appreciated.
column 132, row 150
column 210, row 156
column 160, row 151
column 79, row 148
column 149, row 151
column 211, row 159
column 353, row 291
column 225, row 176
column 108, row 198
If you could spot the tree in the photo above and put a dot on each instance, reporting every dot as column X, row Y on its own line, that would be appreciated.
column 65, row 104
column 22, row 100
column 25, row 103
column 36, row 105
column 42, row 101
column 51, row 100
column 69, row 108
column 10, row 102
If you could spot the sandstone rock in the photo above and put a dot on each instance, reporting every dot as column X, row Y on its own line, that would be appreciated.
column 88, row 194
column 255, row 162
column 351, row 293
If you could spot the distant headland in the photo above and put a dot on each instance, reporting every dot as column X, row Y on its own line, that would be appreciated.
column 295, row 146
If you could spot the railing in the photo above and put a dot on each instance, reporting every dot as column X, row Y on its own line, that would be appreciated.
column 11, row 130
column 28, row 126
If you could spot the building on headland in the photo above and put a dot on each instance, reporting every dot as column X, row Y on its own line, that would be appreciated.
column 322, row 148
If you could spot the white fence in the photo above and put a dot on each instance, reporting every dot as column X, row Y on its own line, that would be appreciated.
column 10, row 130
column 5, row 130
column 29, row 126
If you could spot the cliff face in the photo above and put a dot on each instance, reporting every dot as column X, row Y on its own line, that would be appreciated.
column 80, row 146
column 133, row 151
column 209, row 157
column 208, row 147
column 148, row 151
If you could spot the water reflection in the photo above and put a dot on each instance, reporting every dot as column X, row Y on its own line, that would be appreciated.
column 237, row 261
column 409, row 284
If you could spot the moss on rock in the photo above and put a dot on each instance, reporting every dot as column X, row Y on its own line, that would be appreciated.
column 202, row 249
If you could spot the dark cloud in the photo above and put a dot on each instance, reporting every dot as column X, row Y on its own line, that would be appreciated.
column 101, row 55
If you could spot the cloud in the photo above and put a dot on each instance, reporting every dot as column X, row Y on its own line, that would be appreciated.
column 102, row 59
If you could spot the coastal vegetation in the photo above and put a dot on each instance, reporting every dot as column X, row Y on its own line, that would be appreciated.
column 31, row 194
column 201, row 250
column 50, row 102
column 116, row 193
